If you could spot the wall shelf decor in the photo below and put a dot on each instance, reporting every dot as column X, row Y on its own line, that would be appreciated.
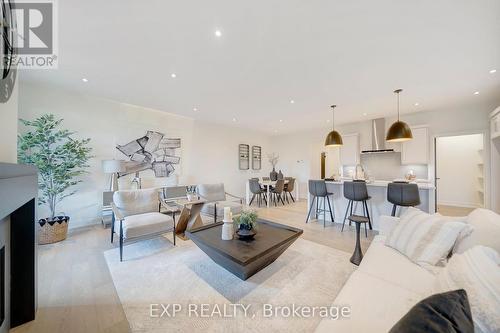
column 256, row 157
column 244, row 156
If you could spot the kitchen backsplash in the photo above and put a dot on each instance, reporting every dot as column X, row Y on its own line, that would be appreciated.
column 387, row 166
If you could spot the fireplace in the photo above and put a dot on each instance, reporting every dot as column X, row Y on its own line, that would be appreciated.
column 18, row 263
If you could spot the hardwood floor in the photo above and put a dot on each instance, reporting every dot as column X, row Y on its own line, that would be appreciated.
column 76, row 292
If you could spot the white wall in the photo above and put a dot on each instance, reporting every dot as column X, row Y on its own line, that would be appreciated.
column 460, row 166
column 209, row 152
column 8, row 128
column 307, row 146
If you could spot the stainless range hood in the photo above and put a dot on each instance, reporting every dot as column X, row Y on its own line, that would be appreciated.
column 378, row 138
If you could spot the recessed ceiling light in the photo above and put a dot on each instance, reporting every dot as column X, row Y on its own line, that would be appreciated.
column 218, row 33
column 493, row 71
column 476, row 93
column 173, row 75
column 85, row 80
column 292, row 101
column 195, row 109
column 281, row 120
column 234, row 119
column 365, row 114
column 417, row 104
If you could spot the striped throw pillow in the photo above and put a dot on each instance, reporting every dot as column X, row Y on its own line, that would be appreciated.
column 426, row 239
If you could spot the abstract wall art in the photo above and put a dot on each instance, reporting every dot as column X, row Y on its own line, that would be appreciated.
column 152, row 151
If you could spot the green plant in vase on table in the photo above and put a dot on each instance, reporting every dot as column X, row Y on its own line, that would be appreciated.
column 246, row 224
column 61, row 160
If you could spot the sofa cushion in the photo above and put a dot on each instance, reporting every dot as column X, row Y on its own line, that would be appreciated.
column 425, row 239
column 486, row 224
column 211, row 192
column 389, row 265
column 132, row 202
column 477, row 271
column 376, row 305
column 439, row 313
column 145, row 224
column 208, row 208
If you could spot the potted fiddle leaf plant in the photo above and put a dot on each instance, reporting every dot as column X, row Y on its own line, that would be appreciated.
column 246, row 224
column 61, row 159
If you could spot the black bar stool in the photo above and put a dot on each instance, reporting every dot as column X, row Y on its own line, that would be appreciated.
column 317, row 189
column 402, row 194
column 356, row 191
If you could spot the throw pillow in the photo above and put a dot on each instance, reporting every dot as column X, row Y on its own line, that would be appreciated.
column 477, row 271
column 486, row 224
column 425, row 239
column 441, row 313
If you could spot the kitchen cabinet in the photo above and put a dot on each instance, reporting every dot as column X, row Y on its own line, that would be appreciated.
column 349, row 151
column 416, row 151
column 495, row 123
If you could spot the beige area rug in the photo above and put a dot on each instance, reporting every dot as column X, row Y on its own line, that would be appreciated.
column 156, row 272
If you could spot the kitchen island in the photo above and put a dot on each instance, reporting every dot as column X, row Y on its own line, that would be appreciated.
column 377, row 205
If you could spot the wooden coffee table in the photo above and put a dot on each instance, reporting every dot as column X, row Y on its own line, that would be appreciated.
column 245, row 258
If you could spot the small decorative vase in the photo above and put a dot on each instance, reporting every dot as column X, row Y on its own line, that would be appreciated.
column 273, row 175
column 280, row 175
column 227, row 230
column 245, row 234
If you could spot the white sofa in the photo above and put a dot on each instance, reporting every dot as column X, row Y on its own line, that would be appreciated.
column 387, row 284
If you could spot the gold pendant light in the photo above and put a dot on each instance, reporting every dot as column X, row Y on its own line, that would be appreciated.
column 399, row 131
column 333, row 139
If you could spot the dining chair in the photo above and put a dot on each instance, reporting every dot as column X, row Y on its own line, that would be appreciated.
column 277, row 192
column 289, row 187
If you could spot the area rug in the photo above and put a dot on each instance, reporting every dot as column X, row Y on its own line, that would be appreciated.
column 180, row 289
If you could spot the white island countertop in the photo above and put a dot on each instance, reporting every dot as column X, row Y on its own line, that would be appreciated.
column 384, row 183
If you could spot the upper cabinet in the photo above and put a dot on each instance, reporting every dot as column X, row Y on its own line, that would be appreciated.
column 349, row 151
column 495, row 123
column 416, row 151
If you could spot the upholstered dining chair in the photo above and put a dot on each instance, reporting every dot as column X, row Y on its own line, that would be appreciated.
column 216, row 199
column 277, row 192
column 257, row 191
column 136, row 216
column 289, row 187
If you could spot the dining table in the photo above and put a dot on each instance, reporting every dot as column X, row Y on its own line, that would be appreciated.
column 268, row 184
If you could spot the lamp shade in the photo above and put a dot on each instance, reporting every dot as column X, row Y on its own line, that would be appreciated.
column 113, row 166
column 333, row 139
column 399, row 132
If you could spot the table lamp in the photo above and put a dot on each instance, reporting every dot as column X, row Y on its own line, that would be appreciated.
column 113, row 167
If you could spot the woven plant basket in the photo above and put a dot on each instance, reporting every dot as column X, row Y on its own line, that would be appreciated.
column 53, row 231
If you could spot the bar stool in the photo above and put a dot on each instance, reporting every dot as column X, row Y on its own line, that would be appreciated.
column 317, row 189
column 356, row 191
column 402, row 194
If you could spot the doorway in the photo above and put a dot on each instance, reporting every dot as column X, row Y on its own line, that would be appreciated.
column 459, row 173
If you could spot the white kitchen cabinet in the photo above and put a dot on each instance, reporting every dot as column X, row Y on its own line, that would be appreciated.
column 349, row 151
column 416, row 151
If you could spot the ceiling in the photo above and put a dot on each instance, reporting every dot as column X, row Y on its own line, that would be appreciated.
column 316, row 53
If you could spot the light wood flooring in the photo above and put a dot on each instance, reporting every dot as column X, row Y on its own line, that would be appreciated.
column 76, row 292
column 454, row 210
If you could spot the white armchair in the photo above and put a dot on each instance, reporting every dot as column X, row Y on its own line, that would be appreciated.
column 136, row 216
column 217, row 199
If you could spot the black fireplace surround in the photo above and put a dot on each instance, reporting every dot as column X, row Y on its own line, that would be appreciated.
column 18, row 196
